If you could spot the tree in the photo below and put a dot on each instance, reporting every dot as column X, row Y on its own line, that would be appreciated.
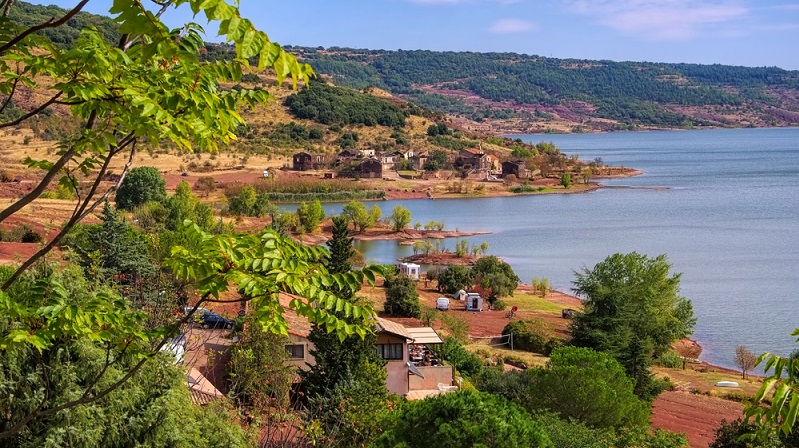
column 150, row 85
column 310, row 215
column 112, row 249
column 633, row 311
column 737, row 434
column 745, row 360
column 244, row 204
column 184, row 205
column 345, row 388
column 258, row 376
column 438, row 160
column 402, row 300
column 496, row 276
column 574, row 434
column 205, row 185
column 454, row 278
column 152, row 408
column 461, row 419
column 400, row 218
column 340, row 246
column 361, row 219
column 566, row 180
column 589, row 386
column 142, row 184
column 533, row 335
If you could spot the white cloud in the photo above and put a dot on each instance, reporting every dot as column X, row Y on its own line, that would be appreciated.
column 512, row 26
column 662, row 19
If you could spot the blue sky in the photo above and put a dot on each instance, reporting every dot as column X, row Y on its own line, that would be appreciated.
column 736, row 32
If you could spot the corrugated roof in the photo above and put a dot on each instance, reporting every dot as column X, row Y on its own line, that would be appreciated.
column 393, row 328
column 424, row 335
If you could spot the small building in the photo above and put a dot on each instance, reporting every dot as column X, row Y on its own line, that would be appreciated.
column 367, row 152
column 516, row 168
column 392, row 160
column 329, row 175
column 409, row 269
column 418, row 161
column 460, row 295
column 474, row 159
column 346, row 155
column 303, row 161
column 371, row 169
column 474, row 302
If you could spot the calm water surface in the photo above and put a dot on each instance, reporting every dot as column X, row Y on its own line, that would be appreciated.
column 728, row 219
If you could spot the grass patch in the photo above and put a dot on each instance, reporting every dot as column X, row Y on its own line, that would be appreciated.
column 500, row 352
column 533, row 303
column 705, row 382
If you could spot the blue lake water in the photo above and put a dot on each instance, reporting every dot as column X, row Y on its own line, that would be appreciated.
column 728, row 219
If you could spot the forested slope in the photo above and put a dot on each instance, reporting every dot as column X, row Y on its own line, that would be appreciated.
column 533, row 91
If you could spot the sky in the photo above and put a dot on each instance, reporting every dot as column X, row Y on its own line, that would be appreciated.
column 751, row 33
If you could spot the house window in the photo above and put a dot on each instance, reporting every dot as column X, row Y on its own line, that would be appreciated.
column 389, row 351
column 296, row 351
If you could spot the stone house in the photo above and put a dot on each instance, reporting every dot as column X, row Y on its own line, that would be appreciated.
column 475, row 159
column 370, row 169
column 516, row 168
column 303, row 161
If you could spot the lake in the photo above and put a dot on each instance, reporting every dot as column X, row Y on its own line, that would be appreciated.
column 727, row 216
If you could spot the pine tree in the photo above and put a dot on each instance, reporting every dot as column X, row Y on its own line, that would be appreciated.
column 340, row 247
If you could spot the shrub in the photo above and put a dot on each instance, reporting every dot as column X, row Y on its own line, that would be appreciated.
column 464, row 361
column 22, row 233
column 533, row 335
column 499, row 305
column 670, row 359
column 461, row 419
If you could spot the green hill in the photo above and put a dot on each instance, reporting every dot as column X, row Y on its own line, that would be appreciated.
column 534, row 90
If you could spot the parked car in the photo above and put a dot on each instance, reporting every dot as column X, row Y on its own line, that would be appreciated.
column 442, row 303
column 213, row 320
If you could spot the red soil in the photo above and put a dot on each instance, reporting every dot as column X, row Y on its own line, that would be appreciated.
column 696, row 416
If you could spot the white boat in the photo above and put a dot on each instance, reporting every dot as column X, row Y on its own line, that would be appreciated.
column 727, row 384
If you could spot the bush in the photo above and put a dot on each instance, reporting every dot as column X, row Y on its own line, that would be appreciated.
column 670, row 360
column 22, row 233
column 461, row 419
column 499, row 305
column 464, row 361
column 533, row 335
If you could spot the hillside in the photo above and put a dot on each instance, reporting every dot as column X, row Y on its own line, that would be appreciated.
column 509, row 92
